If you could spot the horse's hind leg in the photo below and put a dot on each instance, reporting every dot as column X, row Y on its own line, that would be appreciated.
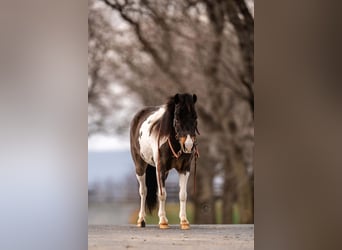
column 143, row 193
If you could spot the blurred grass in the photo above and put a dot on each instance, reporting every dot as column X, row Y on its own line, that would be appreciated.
column 218, row 208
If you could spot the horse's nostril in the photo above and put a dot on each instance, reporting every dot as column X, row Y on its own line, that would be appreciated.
column 182, row 140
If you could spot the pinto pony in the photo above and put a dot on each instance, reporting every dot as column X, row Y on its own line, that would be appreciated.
column 162, row 138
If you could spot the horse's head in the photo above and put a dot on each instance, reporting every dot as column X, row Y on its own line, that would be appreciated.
column 185, row 121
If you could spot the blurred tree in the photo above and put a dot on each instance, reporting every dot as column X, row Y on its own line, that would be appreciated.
column 203, row 47
column 105, row 99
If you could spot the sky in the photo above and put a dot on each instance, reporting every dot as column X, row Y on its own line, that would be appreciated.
column 100, row 143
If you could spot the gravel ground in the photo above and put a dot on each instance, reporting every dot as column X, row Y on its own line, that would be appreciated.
column 232, row 237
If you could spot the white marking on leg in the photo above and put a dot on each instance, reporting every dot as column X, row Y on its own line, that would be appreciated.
column 161, row 211
column 183, row 180
column 162, row 198
column 188, row 144
column 143, row 193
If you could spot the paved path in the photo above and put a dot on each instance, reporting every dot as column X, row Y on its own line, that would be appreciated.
column 231, row 237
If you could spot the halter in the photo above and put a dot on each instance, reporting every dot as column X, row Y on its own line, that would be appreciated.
column 173, row 151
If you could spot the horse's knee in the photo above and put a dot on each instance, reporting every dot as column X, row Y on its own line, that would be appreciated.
column 182, row 196
column 142, row 191
column 162, row 197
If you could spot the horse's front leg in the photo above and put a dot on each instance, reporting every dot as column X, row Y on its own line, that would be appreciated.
column 163, row 222
column 183, row 181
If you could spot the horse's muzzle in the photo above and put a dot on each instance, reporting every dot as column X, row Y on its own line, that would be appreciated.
column 187, row 144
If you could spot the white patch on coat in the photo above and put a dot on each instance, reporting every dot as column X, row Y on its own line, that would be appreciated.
column 188, row 144
column 149, row 142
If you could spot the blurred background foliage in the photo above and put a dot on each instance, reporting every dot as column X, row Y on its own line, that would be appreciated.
column 142, row 51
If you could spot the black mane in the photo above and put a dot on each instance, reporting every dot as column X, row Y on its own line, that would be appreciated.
column 166, row 121
column 164, row 127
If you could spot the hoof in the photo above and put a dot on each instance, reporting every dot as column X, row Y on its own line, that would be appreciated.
column 141, row 224
column 185, row 225
column 163, row 226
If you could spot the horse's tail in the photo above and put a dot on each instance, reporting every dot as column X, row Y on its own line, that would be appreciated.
column 152, row 186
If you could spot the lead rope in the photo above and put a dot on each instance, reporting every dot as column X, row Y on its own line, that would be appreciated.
column 158, row 167
column 196, row 156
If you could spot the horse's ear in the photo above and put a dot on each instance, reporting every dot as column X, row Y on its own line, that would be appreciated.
column 176, row 97
column 194, row 98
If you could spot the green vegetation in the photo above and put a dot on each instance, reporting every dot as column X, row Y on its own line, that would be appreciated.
column 236, row 214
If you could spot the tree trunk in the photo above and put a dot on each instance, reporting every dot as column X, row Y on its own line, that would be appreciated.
column 244, row 190
column 204, row 197
column 229, row 192
column 243, row 22
column 238, row 190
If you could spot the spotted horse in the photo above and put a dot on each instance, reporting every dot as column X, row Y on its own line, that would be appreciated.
column 162, row 138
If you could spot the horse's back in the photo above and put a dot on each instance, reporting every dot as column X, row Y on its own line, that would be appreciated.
column 136, row 134
column 137, row 121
